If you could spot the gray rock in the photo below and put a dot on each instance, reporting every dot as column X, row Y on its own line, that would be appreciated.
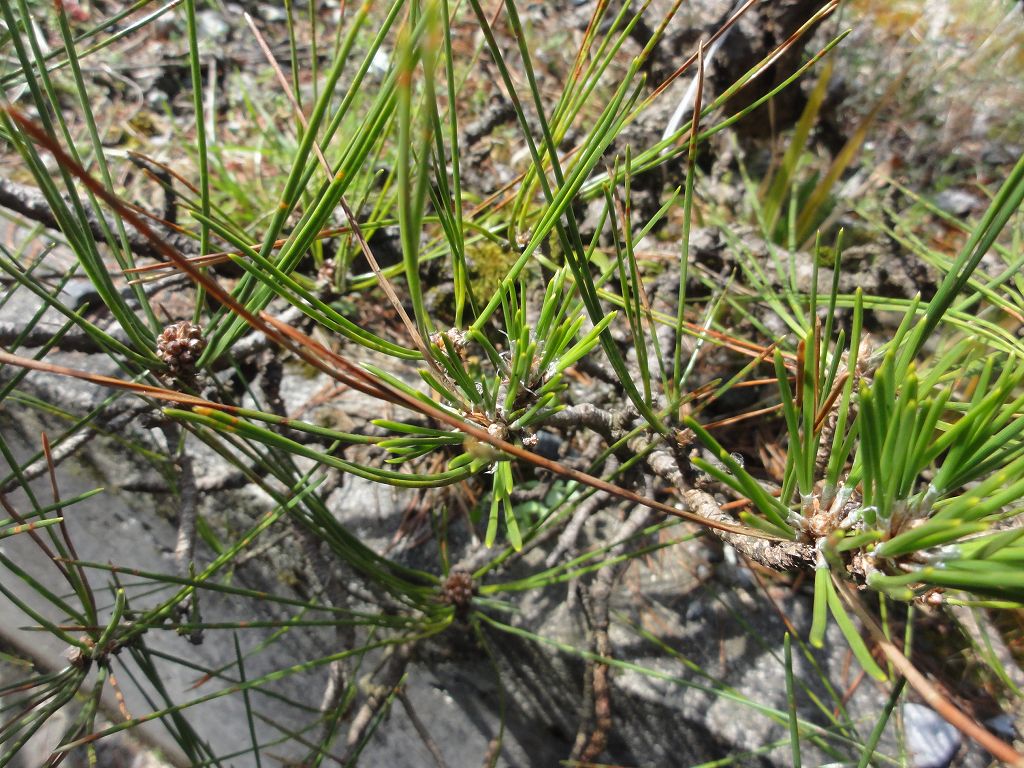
column 931, row 741
column 211, row 27
column 956, row 202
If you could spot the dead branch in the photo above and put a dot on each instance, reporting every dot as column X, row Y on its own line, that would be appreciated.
column 389, row 676
column 422, row 732
column 31, row 203
column 610, row 425
column 113, row 420
column 777, row 555
column 591, row 745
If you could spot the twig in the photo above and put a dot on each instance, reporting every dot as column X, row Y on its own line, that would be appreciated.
column 390, row 674
column 586, row 713
column 421, row 730
column 357, row 232
column 69, row 446
column 600, row 594
column 611, row 425
column 32, row 204
column 317, row 355
column 51, row 468
column 598, row 739
column 338, row 674
column 223, row 481
column 776, row 555
column 75, row 340
column 594, row 742
column 966, row 725
column 185, row 546
column 567, row 540
column 335, row 688
column 334, row 594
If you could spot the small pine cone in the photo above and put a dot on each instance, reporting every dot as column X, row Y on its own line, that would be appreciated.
column 458, row 590
column 180, row 346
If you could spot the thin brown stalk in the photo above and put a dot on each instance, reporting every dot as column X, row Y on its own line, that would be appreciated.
column 30, row 529
column 693, row 57
column 52, row 471
column 364, row 246
column 325, row 360
column 931, row 695
column 826, row 407
column 731, row 420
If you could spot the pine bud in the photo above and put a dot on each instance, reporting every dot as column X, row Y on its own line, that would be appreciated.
column 180, row 346
column 458, row 591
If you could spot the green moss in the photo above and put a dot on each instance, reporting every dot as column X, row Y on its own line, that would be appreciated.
column 488, row 264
